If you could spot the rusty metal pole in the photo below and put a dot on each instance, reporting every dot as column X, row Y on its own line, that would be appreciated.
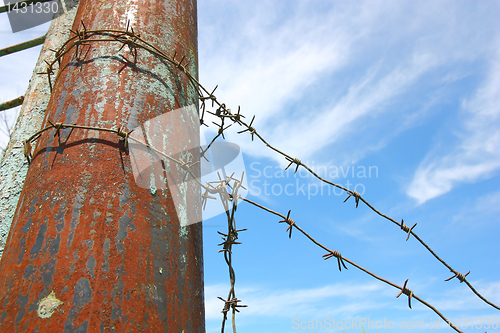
column 13, row 166
column 89, row 250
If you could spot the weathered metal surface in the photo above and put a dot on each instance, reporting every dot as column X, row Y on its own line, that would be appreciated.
column 14, row 167
column 90, row 250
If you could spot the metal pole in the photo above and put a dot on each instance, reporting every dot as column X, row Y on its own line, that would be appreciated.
column 90, row 250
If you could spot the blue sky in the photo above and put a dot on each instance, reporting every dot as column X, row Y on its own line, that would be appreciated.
column 407, row 90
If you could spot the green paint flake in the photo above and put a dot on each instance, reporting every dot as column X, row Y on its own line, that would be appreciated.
column 152, row 185
column 48, row 305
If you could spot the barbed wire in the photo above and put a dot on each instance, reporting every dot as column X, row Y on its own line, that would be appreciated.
column 83, row 37
column 350, row 193
column 341, row 259
column 229, row 239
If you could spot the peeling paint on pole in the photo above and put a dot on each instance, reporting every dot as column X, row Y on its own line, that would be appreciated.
column 98, row 252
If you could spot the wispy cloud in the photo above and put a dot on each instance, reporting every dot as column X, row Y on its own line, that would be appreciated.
column 267, row 70
column 323, row 301
column 482, row 212
column 290, row 71
column 461, row 298
column 348, row 300
column 476, row 156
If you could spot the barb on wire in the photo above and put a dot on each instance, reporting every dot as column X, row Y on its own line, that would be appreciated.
column 204, row 198
column 220, row 112
column 290, row 223
column 249, row 128
column 210, row 96
column 407, row 292
column 292, row 161
column 202, row 108
column 48, row 71
column 459, row 276
column 407, row 229
column 233, row 303
column 186, row 167
column 356, row 196
column 337, row 255
column 221, row 130
column 58, row 127
column 27, row 151
column 234, row 117
column 124, row 135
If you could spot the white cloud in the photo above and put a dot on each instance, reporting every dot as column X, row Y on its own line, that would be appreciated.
column 461, row 298
column 341, row 298
column 266, row 71
column 364, row 100
column 313, row 77
column 477, row 155
column 488, row 203
column 351, row 300
column 482, row 211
